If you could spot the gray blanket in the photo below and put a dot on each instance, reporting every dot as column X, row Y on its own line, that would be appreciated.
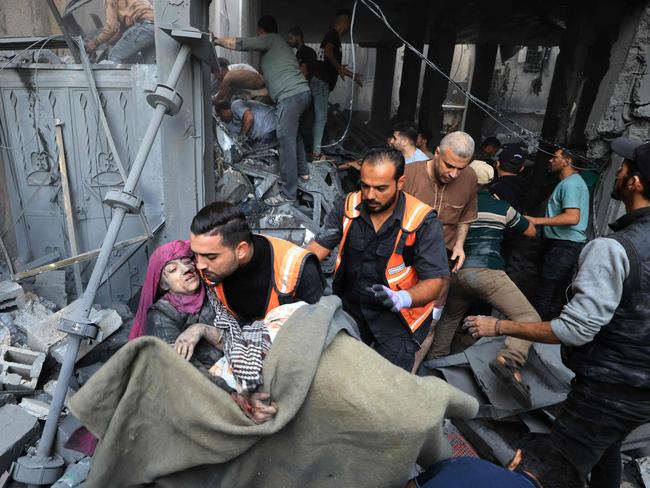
column 347, row 417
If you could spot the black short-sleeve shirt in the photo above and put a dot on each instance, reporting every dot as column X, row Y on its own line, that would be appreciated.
column 307, row 56
column 367, row 252
column 324, row 69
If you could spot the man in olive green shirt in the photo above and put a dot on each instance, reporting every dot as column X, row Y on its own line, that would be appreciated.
column 290, row 91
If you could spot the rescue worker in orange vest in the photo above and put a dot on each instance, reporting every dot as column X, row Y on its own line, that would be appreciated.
column 391, row 260
column 249, row 273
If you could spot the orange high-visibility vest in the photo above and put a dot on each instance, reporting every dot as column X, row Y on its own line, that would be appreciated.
column 288, row 263
column 399, row 276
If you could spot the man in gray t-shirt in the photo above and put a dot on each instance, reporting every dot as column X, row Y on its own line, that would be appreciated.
column 289, row 89
column 254, row 120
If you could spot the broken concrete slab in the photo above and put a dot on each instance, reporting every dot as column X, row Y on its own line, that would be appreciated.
column 108, row 322
column 32, row 313
column 12, row 295
column 36, row 408
column 44, row 336
column 20, row 367
column 19, row 429
column 51, row 285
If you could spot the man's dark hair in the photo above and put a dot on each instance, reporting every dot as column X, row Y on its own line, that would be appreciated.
column 224, row 219
column 343, row 11
column 491, row 141
column 222, row 105
column 408, row 130
column 426, row 133
column 380, row 154
column 633, row 170
column 268, row 24
column 546, row 464
column 223, row 63
column 296, row 31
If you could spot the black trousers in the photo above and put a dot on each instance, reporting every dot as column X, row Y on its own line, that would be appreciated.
column 387, row 335
column 592, row 424
column 558, row 268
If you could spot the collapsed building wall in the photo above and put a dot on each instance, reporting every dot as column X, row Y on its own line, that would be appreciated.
column 622, row 105
column 32, row 97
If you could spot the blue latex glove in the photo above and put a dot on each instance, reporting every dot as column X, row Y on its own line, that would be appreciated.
column 395, row 300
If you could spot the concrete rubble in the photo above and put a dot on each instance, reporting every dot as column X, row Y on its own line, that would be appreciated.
column 19, row 429
column 51, row 285
column 31, row 350
column 20, row 368
column 11, row 295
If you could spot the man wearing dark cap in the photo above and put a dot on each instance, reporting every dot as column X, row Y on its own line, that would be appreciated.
column 604, row 331
column 509, row 185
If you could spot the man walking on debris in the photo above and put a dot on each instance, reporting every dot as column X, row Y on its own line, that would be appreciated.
column 605, row 332
column 391, row 260
column 305, row 55
column 446, row 184
column 483, row 278
column 128, row 28
column 290, row 91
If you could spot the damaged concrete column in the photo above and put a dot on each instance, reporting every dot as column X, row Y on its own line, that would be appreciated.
column 383, row 84
column 486, row 55
column 577, row 69
column 416, row 34
column 187, row 138
column 442, row 41
column 622, row 105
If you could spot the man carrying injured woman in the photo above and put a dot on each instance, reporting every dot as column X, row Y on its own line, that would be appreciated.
column 232, row 289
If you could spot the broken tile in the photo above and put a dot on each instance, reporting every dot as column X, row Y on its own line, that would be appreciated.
column 12, row 295
column 51, row 285
column 19, row 429
column 19, row 367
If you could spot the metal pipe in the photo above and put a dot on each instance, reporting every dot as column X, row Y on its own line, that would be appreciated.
column 58, row 398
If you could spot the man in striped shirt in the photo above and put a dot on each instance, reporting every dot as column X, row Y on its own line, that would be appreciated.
column 483, row 278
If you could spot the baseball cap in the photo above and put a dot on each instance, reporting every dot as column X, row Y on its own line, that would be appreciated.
column 484, row 172
column 635, row 151
column 512, row 158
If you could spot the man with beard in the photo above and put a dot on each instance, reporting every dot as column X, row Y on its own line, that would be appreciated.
column 604, row 331
column 391, row 260
column 251, row 274
column 446, row 183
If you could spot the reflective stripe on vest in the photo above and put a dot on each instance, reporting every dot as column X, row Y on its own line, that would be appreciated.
column 288, row 261
column 398, row 275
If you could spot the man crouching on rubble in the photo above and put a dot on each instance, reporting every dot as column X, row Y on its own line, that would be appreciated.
column 391, row 258
column 247, row 276
column 605, row 332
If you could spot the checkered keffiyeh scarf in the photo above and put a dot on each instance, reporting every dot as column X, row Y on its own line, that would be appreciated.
column 245, row 345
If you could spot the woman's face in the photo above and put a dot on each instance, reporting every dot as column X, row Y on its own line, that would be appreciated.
column 179, row 276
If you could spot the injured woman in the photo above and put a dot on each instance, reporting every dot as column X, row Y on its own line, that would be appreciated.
column 175, row 308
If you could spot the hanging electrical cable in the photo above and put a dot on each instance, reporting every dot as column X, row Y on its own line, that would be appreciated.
column 354, row 73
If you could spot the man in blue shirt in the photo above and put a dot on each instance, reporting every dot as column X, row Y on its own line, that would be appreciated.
column 248, row 118
column 403, row 139
column 565, row 231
